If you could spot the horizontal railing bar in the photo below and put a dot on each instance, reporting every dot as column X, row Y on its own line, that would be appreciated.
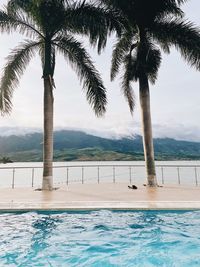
column 94, row 166
column 74, row 166
column 183, row 166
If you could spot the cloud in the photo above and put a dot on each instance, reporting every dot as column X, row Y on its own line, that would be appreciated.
column 7, row 131
column 178, row 132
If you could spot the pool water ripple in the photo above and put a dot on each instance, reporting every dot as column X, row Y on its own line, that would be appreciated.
column 100, row 239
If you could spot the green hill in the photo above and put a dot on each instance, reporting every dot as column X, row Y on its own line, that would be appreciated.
column 75, row 145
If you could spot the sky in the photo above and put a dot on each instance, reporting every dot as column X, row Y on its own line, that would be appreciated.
column 175, row 99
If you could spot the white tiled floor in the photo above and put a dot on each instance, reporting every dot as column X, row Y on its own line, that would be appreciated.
column 98, row 196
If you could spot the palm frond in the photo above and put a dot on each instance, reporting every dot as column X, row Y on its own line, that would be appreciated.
column 42, row 54
column 181, row 34
column 145, row 59
column 167, row 8
column 165, row 47
column 152, row 64
column 144, row 12
column 50, row 15
column 120, row 50
column 14, row 5
column 126, row 82
column 95, row 21
column 22, row 23
column 148, row 60
column 13, row 70
column 180, row 2
column 29, row 8
column 80, row 61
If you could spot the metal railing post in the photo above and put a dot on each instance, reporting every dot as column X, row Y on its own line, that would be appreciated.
column 98, row 178
column 32, row 182
column 162, row 171
column 113, row 174
column 82, row 175
column 178, row 172
column 130, row 175
column 13, row 179
column 196, row 176
column 67, row 182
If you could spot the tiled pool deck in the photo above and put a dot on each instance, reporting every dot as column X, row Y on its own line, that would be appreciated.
column 100, row 196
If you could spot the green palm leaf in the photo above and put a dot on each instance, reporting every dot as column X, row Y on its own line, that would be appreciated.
column 19, row 21
column 120, row 50
column 142, row 11
column 181, row 34
column 80, row 61
column 94, row 21
column 16, row 64
column 126, row 82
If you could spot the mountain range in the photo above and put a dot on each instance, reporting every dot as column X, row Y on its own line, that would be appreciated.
column 80, row 146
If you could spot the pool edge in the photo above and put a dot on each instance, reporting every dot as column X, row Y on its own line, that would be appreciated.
column 97, row 205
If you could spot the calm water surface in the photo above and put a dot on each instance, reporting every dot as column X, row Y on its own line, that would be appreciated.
column 100, row 239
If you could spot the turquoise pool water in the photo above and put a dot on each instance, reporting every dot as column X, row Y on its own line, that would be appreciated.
column 100, row 239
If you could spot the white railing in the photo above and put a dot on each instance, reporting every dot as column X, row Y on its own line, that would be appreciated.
column 67, row 174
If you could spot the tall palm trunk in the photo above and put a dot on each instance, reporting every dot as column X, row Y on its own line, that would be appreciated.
column 47, row 183
column 147, row 131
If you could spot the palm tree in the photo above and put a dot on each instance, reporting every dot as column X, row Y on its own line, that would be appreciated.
column 5, row 160
column 153, row 26
column 50, row 27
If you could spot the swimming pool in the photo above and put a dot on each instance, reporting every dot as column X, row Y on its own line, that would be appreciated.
column 100, row 239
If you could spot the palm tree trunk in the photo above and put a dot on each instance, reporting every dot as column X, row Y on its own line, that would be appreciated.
column 147, row 131
column 47, row 183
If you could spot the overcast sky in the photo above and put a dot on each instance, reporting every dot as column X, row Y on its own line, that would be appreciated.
column 175, row 99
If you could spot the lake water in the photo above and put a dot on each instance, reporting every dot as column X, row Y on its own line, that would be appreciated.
column 30, row 173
